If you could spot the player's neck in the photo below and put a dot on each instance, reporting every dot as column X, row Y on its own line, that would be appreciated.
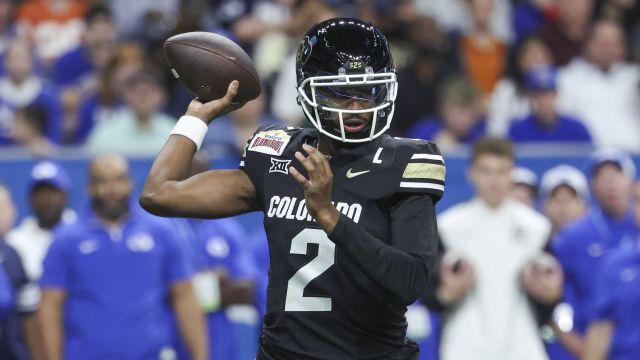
column 327, row 146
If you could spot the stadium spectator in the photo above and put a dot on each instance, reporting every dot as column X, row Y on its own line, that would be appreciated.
column 105, row 102
column 80, row 65
column 273, row 21
column 601, row 89
column 30, row 130
column 565, row 193
column 566, row 33
column 140, row 127
column 16, row 287
column 392, row 18
column 49, row 186
column 54, row 26
column 453, row 15
column 20, row 87
column 8, row 28
column 524, row 186
column 145, row 20
column 260, row 18
column 627, row 13
column 110, row 280
column 530, row 15
column 613, row 332
column 545, row 124
column 509, row 100
column 478, row 52
column 493, row 265
column 77, row 71
column 422, row 76
column 285, row 93
column 224, row 281
column 581, row 245
column 460, row 121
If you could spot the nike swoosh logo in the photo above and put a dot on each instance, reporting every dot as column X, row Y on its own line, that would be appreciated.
column 351, row 174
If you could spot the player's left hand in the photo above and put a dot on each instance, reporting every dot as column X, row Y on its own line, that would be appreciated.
column 317, row 189
column 542, row 278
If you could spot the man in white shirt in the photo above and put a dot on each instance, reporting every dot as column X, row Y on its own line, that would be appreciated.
column 48, row 200
column 31, row 239
column 602, row 89
column 494, row 269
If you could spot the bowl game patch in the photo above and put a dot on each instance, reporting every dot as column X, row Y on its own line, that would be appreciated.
column 272, row 142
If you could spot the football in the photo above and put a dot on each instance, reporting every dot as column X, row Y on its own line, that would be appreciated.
column 206, row 63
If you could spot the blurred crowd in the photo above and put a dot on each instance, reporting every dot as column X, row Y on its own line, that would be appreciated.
column 90, row 76
column 80, row 73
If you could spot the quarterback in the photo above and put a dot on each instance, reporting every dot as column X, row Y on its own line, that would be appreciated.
column 349, row 210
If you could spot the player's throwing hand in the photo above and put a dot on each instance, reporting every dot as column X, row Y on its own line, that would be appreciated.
column 215, row 108
column 317, row 189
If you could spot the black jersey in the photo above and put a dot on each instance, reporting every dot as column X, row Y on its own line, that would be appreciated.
column 322, row 303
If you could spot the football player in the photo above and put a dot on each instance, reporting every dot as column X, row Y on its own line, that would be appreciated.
column 349, row 211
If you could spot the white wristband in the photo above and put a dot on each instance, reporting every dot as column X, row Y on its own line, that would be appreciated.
column 192, row 128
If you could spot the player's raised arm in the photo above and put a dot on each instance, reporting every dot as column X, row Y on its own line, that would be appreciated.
column 169, row 191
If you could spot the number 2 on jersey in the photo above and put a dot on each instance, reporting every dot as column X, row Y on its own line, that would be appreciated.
column 295, row 300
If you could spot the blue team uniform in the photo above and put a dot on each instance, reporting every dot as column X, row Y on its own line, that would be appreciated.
column 260, row 251
column 47, row 99
column 617, row 299
column 429, row 128
column 73, row 67
column 566, row 129
column 580, row 248
column 117, row 283
column 214, row 244
column 12, row 345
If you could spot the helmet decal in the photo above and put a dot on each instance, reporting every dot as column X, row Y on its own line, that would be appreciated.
column 304, row 50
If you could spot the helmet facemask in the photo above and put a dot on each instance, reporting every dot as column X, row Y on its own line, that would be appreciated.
column 351, row 108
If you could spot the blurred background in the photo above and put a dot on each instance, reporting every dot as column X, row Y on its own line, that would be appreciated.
column 559, row 78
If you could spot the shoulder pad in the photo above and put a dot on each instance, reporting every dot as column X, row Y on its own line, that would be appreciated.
column 270, row 140
column 421, row 167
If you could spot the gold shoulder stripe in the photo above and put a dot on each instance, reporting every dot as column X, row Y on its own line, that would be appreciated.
column 424, row 171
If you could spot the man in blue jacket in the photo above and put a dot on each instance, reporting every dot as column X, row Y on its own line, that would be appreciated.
column 545, row 123
column 615, row 326
column 107, row 279
column 581, row 246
